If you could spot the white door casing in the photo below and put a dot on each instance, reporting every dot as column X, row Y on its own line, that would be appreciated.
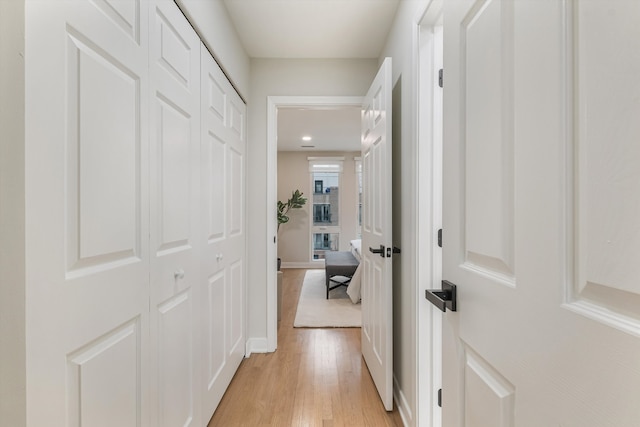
column 223, row 233
column 377, row 307
column 541, row 197
column 87, row 213
column 429, row 213
column 175, row 289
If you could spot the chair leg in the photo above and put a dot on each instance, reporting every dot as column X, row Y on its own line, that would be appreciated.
column 327, row 284
column 337, row 284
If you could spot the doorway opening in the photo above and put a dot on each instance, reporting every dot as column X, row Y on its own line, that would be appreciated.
column 276, row 104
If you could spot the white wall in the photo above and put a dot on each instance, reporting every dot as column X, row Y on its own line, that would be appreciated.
column 280, row 77
column 400, row 47
column 294, row 237
column 12, row 260
column 211, row 21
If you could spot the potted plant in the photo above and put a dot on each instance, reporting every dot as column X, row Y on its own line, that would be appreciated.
column 296, row 201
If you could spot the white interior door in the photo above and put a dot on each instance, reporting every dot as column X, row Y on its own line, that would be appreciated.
column 174, row 61
column 377, row 315
column 541, row 203
column 86, row 213
column 223, row 236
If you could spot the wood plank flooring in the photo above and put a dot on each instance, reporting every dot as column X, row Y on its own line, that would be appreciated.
column 317, row 377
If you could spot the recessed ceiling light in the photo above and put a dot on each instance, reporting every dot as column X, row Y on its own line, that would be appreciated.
column 306, row 138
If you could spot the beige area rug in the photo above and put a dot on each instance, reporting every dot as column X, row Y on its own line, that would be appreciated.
column 315, row 311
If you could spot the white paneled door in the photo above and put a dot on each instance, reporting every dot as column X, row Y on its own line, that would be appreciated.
column 176, row 292
column 135, row 241
column 541, row 204
column 223, row 233
column 87, row 213
column 377, row 315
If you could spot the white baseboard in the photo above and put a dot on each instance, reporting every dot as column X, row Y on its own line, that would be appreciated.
column 310, row 264
column 403, row 406
column 256, row 345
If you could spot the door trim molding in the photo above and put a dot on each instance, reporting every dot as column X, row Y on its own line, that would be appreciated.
column 427, row 200
column 273, row 102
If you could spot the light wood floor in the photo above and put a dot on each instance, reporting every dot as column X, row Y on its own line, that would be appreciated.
column 317, row 377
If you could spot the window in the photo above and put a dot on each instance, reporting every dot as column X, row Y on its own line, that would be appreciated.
column 321, row 213
column 326, row 203
column 325, row 214
column 323, row 242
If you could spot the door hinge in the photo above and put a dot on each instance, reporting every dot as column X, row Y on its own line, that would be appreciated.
column 441, row 77
column 440, row 398
column 440, row 237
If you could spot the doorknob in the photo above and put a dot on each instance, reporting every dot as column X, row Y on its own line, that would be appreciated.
column 178, row 274
column 377, row 251
column 443, row 298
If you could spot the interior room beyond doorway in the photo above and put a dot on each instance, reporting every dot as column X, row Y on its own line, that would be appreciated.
column 318, row 155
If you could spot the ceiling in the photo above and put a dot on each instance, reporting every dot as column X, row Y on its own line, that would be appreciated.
column 312, row 28
column 303, row 29
column 336, row 129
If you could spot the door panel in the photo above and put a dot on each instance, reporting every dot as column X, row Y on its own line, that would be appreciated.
column 540, row 187
column 124, row 14
column 86, row 236
column 103, row 217
column 105, row 375
column 223, row 261
column 488, row 396
column 236, row 313
column 176, row 361
column 174, row 59
column 215, row 354
column 488, row 141
column 173, row 177
column 236, row 195
column 215, row 212
column 607, row 157
column 377, row 315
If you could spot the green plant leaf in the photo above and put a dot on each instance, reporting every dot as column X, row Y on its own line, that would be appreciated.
column 296, row 201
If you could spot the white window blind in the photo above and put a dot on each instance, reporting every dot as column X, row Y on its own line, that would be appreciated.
column 325, row 164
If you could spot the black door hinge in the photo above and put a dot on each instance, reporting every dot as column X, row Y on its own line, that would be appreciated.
column 441, row 77
column 440, row 237
column 440, row 398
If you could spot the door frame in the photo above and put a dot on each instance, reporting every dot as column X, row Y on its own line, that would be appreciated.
column 271, row 238
column 428, row 198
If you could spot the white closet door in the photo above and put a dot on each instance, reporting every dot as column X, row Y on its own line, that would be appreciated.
column 87, row 222
column 223, row 233
column 174, row 61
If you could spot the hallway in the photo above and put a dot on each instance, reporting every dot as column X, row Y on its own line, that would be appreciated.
column 317, row 377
